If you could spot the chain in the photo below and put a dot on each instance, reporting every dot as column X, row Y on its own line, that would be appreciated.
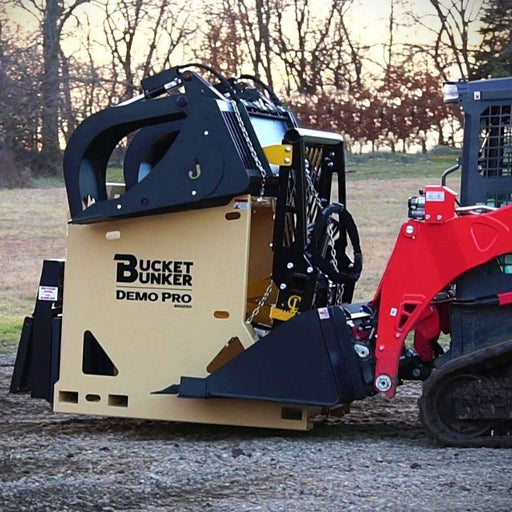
column 330, row 229
column 340, row 288
column 261, row 302
column 261, row 170
column 259, row 165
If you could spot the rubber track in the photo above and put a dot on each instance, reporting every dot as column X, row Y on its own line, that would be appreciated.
column 472, row 363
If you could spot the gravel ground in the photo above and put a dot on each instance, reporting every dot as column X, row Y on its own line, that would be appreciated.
column 377, row 458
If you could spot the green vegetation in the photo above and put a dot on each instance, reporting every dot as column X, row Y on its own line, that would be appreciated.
column 114, row 175
column 359, row 167
column 398, row 165
column 47, row 182
column 9, row 333
column 495, row 55
column 384, row 165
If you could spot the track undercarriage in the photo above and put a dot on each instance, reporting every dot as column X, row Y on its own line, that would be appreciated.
column 468, row 401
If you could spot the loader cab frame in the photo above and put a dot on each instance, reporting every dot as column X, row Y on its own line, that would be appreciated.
column 487, row 145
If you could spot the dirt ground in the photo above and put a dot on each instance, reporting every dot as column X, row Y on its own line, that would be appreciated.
column 376, row 458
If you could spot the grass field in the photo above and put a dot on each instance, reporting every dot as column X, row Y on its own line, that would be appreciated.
column 33, row 225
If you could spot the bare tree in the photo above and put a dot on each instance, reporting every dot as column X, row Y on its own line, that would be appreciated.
column 300, row 41
column 389, row 63
column 86, row 85
column 344, row 58
column 170, row 30
column 141, row 37
column 20, row 112
column 220, row 43
column 53, row 15
column 452, row 23
column 256, row 23
column 238, row 36
column 120, row 26
column 315, row 46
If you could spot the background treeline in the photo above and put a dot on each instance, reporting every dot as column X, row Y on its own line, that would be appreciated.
column 61, row 61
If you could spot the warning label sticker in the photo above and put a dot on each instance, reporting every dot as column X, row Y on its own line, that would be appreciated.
column 48, row 293
column 435, row 196
column 323, row 313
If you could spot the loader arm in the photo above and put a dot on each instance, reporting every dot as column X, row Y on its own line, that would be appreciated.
column 428, row 256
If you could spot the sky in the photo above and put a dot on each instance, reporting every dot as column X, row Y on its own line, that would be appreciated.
column 369, row 22
column 372, row 16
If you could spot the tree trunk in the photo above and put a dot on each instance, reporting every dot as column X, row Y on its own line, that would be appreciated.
column 440, row 135
column 50, row 147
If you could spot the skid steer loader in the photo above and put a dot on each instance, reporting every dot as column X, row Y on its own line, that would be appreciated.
column 215, row 284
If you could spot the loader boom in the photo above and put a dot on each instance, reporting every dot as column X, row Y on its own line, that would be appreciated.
column 435, row 253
